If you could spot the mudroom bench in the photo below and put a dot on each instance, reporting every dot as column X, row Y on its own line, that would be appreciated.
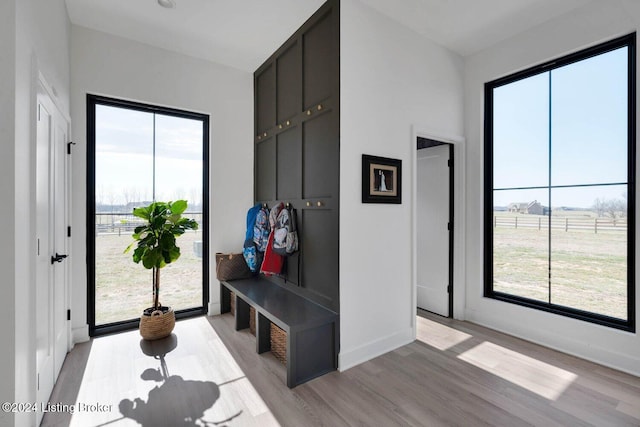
column 311, row 343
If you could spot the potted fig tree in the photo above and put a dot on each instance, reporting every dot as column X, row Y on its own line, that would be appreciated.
column 156, row 240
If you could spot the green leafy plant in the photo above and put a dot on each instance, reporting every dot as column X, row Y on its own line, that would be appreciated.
column 157, row 238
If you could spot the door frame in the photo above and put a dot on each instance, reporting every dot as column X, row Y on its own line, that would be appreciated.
column 457, row 303
column 43, row 88
column 68, row 194
column 92, row 101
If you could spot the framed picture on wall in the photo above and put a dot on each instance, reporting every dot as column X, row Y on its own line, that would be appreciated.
column 381, row 180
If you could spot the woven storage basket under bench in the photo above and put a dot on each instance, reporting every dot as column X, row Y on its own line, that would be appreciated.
column 300, row 333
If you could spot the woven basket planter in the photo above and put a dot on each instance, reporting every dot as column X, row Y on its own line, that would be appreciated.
column 158, row 325
column 252, row 321
column 279, row 343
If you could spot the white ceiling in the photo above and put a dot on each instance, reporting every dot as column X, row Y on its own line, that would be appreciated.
column 469, row 26
column 239, row 33
column 243, row 33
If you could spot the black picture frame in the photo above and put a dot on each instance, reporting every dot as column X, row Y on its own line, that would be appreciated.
column 381, row 180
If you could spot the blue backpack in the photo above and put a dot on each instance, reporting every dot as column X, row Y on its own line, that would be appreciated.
column 250, row 252
column 261, row 229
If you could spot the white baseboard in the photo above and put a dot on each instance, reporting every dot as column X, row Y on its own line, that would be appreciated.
column 590, row 350
column 368, row 351
column 80, row 334
column 214, row 308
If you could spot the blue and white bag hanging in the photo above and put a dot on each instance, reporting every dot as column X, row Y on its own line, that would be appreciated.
column 250, row 251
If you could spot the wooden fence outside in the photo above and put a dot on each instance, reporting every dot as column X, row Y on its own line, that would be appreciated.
column 125, row 223
column 560, row 223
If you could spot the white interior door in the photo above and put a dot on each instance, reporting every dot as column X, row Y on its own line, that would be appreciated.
column 51, row 276
column 432, row 229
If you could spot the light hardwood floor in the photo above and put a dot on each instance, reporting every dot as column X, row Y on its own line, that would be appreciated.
column 455, row 373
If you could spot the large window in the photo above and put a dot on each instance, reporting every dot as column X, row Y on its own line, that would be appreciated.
column 137, row 154
column 559, row 185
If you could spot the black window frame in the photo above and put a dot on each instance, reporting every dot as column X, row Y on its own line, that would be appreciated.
column 628, row 41
column 91, row 102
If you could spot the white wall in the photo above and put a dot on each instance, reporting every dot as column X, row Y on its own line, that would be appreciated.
column 7, row 210
column 391, row 79
column 108, row 65
column 34, row 38
column 596, row 22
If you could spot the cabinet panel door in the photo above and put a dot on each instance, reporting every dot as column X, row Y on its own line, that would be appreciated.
column 265, row 99
column 319, row 269
column 318, row 61
column 321, row 156
column 291, row 268
column 299, row 162
column 265, row 174
column 289, row 156
column 289, row 83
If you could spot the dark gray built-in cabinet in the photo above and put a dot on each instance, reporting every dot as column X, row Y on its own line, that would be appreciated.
column 297, row 149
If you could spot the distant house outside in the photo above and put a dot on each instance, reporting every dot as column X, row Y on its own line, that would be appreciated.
column 529, row 208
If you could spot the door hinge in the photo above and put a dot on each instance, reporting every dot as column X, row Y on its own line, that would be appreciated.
column 448, row 289
column 449, row 226
column 449, row 162
column 69, row 231
column 68, row 314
